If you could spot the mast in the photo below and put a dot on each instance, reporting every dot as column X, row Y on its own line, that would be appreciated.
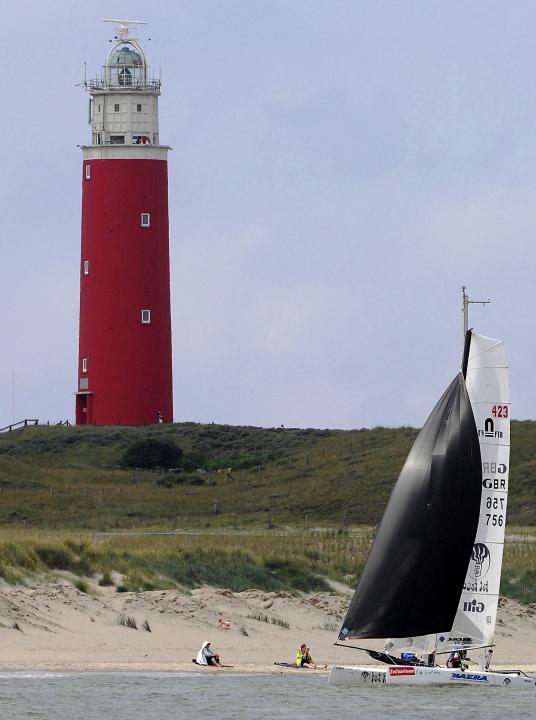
column 465, row 308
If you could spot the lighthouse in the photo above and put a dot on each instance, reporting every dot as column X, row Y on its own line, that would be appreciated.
column 124, row 365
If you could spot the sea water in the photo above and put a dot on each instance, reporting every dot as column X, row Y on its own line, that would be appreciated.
column 205, row 696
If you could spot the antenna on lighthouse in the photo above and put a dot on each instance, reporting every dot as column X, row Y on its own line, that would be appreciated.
column 466, row 303
column 123, row 27
column 126, row 22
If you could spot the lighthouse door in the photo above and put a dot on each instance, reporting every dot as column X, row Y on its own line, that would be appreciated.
column 83, row 409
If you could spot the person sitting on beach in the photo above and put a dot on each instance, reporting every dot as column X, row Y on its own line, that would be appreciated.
column 223, row 624
column 206, row 656
column 304, row 659
column 300, row 654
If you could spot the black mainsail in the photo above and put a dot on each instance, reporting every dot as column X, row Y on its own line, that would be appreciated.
column 415, row 571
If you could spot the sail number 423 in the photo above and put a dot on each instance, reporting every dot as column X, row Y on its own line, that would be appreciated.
column 495, row 520
column 500, row 411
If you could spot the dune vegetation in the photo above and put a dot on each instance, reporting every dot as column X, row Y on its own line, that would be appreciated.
column 185, row 505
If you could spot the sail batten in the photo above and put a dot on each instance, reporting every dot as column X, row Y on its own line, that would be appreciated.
column 411, row 583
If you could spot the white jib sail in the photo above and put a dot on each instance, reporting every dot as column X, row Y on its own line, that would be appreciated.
column 489, row 391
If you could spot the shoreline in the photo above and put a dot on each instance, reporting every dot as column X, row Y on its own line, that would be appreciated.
column 167, row 668
column 184, row 668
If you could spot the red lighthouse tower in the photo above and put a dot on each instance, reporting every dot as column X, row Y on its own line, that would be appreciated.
column 124, row 366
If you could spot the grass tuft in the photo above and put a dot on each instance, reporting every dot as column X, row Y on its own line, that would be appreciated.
column 82, row 585
column 127, row 621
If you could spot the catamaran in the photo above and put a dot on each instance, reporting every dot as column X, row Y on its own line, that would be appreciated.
column 430, row 586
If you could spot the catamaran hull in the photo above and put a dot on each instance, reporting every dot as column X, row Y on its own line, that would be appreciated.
column 350, row 676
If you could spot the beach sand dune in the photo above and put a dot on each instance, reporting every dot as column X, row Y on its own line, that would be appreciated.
column 57, row 627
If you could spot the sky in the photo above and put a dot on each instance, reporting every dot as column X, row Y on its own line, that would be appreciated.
column 339, row 170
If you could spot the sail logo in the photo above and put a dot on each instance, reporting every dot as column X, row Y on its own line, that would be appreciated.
column 480, row 561
column 469, row 676
column 473, row 606
column 489, row 430
column 476, row 586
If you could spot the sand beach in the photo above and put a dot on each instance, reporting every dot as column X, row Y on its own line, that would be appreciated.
column 56, row 627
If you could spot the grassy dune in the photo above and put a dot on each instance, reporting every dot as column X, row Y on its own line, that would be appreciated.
column 70, row 477
column 270, row 508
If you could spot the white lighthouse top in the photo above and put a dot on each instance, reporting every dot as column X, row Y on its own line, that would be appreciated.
column 124, row 100
column 126, row 64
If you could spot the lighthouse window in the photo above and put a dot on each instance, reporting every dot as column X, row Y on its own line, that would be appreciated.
column 84, row 364
column 84, row 383
column 146, row 219
column 116, row 107
column 145, row 317
column 138, row 107
column 88, row 172
column 117, row 139
column 125, row 77
column 86, row 267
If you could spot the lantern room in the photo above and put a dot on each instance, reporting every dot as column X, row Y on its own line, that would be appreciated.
column 123, row 107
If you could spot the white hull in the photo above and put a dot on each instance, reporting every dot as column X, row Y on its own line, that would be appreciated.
column 351, row 675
